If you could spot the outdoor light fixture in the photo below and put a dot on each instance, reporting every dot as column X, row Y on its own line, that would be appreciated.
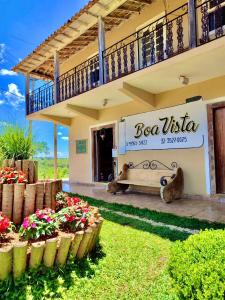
column 105, row 102
column 184, row 80
column 102, row 133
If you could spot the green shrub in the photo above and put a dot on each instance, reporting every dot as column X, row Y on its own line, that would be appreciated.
column 197, row 266
column 16, row 143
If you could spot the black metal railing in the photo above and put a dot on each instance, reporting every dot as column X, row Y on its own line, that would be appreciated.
column 40, row 98
column 210, row 17
column 152, row 44
column 162, row 39
column 78, row 80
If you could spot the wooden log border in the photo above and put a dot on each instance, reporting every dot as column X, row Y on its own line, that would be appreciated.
column 19, row 200
column 29, row 167
column 16, row 259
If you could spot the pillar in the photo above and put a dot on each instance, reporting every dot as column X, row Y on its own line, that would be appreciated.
column 192, row 24
column 27, row 89
column 55, row 153
column 101, row 48
column 56, row 75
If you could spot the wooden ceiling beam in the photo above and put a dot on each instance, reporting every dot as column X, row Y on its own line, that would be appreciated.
column 129, row 9
column 147, row 2
column 73, row 29
column 66, row 35
column 118, row 17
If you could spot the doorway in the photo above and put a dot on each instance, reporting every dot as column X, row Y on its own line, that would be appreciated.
column 219, row 148
column 103, row 162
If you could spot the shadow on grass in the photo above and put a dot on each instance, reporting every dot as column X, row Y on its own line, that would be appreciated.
column 164, row 232
column 50, row 283
column 164, row 217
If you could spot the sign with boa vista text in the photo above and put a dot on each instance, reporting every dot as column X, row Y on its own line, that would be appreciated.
column 176, row 127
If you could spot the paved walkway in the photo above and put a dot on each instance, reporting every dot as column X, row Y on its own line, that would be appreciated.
column 212, row 210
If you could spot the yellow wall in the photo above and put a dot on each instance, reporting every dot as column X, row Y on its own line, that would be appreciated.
column 80, row 165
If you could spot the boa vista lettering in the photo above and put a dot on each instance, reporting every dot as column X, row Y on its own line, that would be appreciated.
column 168, row 125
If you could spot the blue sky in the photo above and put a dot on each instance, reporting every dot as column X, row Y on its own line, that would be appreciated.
column 24, row 25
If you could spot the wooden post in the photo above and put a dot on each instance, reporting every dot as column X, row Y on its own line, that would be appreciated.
column 50, row 252
column 27, row 89
column 19, row 189
column 37, row 250
column 63, row 249
column 29, row 204
column 39, row 195
column 7, row 200
column 19, row 259
column 84, row 244
column 101, row 48
column 192, row 24
column 5, row 262
column 76, row 243
column 48, row 194
column 56, row 75
column 1, row 190
column 55, row 153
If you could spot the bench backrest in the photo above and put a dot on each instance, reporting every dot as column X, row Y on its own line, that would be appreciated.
column 148, row 175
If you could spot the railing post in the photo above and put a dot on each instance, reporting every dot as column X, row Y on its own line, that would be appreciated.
column 27, row 93
column 192, row 24
column 56, row 76
column 55, row 153
column 101, row 48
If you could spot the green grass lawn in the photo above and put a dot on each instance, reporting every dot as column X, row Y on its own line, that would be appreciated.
column 130, row 263
column 46, row 168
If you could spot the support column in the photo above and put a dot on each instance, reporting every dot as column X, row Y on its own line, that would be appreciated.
column 55, row 152
column 101, row 48
column 56, row 75
column 192, row 24
column 30, row 127
column 27, row 88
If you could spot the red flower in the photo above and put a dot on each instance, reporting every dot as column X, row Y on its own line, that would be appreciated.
column 83, row 220
column 4, row 223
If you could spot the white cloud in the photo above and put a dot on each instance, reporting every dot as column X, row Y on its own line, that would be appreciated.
column 2, row 53
column 4, row 124
column 59, row 133
column 2, row 102
column 13, row 95
column 65, row 138
column 4, row 72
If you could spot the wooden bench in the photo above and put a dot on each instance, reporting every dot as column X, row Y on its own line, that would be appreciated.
column 168, row 181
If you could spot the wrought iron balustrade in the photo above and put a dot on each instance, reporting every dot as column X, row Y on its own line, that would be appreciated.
column 210, row 17
column 79, row 79
column 40, row 98
column 160, row 40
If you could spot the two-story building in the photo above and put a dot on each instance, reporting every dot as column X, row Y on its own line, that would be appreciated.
column 137, row 80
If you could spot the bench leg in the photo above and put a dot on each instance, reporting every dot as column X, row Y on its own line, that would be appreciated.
column 174, row 190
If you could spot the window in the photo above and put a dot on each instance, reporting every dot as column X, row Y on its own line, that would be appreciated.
column 152, row 41
column 94, row 72
column 216, row 15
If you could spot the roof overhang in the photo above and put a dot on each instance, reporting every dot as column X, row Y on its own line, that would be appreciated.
column 77, row 33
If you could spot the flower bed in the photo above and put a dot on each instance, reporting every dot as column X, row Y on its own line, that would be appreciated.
column 28, row 167
column 19, row 199
column 49, row 238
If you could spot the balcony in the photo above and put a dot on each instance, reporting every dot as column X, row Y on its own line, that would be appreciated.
column 161, row 40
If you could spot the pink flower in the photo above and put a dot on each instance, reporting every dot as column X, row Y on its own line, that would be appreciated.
column 33, row 225
column 48, row 220
column 26, row 223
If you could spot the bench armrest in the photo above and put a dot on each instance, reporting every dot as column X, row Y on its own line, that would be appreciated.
column 173, row 189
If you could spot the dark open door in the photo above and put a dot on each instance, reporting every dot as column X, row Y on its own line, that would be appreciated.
column 219, row 146
column 103, row 160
